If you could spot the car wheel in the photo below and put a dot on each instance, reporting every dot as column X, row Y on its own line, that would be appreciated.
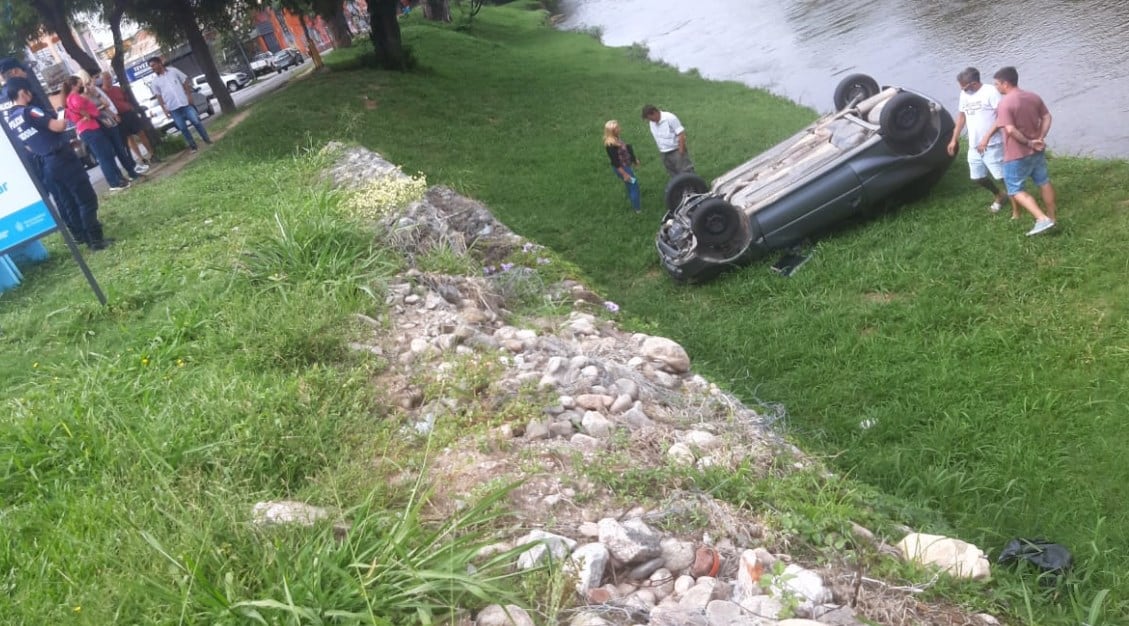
column 232, row 86
column 715, row 222
column 905, row 118
column 854, row 88
column 211, row 109
column 681, row 186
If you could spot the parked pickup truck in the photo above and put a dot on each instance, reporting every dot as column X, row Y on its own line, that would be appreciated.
column 262, row 63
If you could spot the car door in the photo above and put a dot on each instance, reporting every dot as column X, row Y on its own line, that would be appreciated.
column 819, row 204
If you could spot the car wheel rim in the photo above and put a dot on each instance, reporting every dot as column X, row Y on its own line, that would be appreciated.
column 716, row 224
column 907, row 118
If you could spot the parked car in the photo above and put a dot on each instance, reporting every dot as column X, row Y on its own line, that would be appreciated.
column 881, row 146
column 262, row 63
column 286, row 58
column 234, row 82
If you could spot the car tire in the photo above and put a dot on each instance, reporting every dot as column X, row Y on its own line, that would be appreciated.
column 232, row 86
column 715, row 222
column 856, row 88
column 682, row 185
column 905, row 118
column 211, row 109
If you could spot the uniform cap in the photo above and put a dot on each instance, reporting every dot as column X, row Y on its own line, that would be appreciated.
column 14, row 85
column 8, row 64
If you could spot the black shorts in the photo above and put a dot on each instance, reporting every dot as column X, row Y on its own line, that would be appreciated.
column 131, row 123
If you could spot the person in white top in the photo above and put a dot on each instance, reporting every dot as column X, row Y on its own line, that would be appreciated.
column 670, row 137
column 977, row 110
column 173, row 92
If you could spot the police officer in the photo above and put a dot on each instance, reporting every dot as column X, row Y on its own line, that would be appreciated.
column 45, row 136
column 11, row 68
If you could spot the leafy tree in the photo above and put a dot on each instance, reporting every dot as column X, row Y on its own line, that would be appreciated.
column 55, row 16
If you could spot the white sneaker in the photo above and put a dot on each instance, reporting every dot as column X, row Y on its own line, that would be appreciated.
column 142, row 168
column 122, row 188
column 995, row 208
column 1041, row 226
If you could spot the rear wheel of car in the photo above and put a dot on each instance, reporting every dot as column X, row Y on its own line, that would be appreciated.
column 232, row 86
column 905, row 118
column 683, row 185
column 854, row 88
column 715, row 222
column 211, row 109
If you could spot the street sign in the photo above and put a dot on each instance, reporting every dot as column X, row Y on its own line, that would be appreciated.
column 24, row 215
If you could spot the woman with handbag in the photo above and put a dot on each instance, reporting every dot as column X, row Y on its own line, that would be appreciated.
column 98, row 139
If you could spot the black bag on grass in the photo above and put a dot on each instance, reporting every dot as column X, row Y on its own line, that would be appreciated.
column 1051, row 558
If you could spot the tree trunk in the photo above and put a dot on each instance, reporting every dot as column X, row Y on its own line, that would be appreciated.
column 437, row 10
column 311, row 45
column 339, row 30
column 385, row 34
column 54, row 16
column 118, row 63
column 203, row 54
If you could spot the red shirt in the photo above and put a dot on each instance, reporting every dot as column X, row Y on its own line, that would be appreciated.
column 117, row 96
column 1024, row 110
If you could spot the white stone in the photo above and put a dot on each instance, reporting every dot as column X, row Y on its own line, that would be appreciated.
column 622, row 403
column 510, row 615
column 287, row 512
column 631, row 541
column 959, row 558
column 670, row 356
column 725, row 613
column 803, row 584
column 681, row 454
column 596, row 424
column 543, row 545
column 592, row 401
column 628, row 387
column 677, row 555
column 661, row 583
column 697, row 597
column 766, row 607
column 585, row 442
column 674, row 615
column 798, row 622
column 682, row 584
column 701, row 439
column 588, row 563
column 588, row 619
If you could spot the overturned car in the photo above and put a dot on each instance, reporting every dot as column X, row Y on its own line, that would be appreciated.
column 880, row 147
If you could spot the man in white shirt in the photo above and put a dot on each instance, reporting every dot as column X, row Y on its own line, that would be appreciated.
column 173, row 92
column 670, row 137
column 977, row 106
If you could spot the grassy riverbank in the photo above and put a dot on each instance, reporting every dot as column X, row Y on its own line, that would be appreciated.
column 990, row 364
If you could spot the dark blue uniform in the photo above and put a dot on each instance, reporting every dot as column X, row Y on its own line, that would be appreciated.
column 66, row 177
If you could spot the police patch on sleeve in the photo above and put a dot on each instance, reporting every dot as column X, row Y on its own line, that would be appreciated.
column 36, row 112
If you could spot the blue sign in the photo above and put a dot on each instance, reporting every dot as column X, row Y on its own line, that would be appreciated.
column 24, row 215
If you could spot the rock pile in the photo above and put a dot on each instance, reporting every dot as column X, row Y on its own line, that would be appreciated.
column 594, row 392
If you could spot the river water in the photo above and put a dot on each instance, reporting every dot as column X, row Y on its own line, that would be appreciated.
column 1074, row 53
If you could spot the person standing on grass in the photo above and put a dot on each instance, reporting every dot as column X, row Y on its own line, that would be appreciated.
column 977, row 109
column 622, row 157
column 173, row 92
column 130, row 124
column 83, row 112
column 1025, row 121
column 670, row 137
column 44, row 135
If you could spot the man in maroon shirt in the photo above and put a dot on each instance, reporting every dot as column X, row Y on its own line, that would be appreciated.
column 1025, row 122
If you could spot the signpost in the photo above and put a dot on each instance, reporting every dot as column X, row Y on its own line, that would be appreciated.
column 26, row 211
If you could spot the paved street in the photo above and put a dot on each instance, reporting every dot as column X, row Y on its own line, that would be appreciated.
column 266, row 84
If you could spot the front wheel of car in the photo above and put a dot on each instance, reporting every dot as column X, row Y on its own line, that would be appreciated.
column 905, row 118
column 681, row 186
column 232, row 86
column 211, row 109
column 854, row 89
column 715, row 222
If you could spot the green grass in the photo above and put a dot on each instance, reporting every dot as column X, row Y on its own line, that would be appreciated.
column 992, row 365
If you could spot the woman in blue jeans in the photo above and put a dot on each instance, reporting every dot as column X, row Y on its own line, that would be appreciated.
column 100, row 141
column 622, row 157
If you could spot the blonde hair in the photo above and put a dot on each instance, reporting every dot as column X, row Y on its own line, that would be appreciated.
column 611, row 132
